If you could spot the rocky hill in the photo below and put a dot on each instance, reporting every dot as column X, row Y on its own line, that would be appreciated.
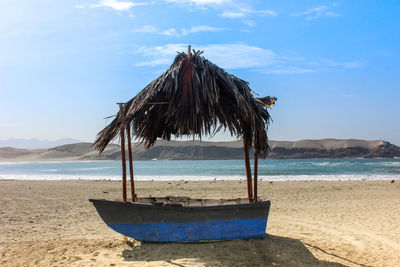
column 193, row 150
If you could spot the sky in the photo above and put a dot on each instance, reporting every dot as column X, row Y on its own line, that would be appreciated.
column 333, row 65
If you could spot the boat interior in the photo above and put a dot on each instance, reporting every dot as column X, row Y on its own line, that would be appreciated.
column 182, row 201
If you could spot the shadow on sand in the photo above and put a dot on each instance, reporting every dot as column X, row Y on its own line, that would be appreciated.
column 269, row 251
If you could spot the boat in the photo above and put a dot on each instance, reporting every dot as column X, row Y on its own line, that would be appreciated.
column 175, row 219
column 193, row 97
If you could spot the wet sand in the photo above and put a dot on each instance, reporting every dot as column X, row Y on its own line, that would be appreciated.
column 51, row 223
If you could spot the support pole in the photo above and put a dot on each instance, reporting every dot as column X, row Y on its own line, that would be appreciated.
column 248, row 171
column 255, row 174
column 128, row 132
column 121, row 108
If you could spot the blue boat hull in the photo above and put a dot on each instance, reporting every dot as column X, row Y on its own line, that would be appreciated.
column 154, row 223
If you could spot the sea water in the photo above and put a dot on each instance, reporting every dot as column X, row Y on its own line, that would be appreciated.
column 270, row 169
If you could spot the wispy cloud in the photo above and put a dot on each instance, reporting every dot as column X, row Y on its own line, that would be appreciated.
column 202, row 28
column 179, row 32
column 355, row 64
column 316, row 13
column 200, row 3
column 234, row 9
column 241, row 12
column 114, row 4
column 120, row 6
column 147, row 29
column 233, row 14
column 286, row 70
column 243, row 56
column 229, row 56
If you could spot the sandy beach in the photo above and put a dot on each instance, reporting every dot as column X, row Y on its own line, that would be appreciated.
column 350, row 223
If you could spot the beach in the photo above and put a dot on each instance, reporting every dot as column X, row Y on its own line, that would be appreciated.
column 311, row 223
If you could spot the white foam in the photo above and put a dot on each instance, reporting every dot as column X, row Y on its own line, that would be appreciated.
column 56, row 177
column 329, row 163
column 53, row 162
column 321, row 163
column 342, row 177
column 391, row 164
column 93, row 168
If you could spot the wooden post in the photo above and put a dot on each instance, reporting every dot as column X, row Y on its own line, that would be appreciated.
column 255, row 174
column 121, row 109
column 248, row 171
column 128, row 132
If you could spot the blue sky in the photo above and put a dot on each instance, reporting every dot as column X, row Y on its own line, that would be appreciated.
column 334, row 65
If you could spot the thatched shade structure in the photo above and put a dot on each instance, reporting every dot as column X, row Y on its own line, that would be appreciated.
column 194, row 97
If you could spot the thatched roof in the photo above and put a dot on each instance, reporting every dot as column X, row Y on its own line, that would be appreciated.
column 194, row 97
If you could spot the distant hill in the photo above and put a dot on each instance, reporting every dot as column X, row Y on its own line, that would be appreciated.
column 196, row 150
column 34, row 143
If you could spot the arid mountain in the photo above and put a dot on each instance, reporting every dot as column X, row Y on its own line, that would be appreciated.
column 34, row 143
column 193, row 150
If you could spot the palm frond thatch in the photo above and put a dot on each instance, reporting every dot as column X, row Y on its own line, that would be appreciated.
column 194, row 97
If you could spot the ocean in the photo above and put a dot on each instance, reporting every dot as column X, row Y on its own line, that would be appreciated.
column 158, row 170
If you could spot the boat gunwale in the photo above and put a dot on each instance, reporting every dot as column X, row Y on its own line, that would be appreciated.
column 257, row 204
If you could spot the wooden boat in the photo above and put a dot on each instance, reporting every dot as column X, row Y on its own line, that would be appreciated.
column 191, row 98
column 185, row 220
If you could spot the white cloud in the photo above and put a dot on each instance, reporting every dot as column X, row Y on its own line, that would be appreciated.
column 238, row 56
column 241, row 12
column 147, row 28
column 201, row 28
column 316, row 12
column 116, row 5
column 229, row 56
column 265, row 12
column 170, row 32
column 205, row 2
column 233, row 14
column 243, row 56
column 234, row 9
column 179, row 33
column 199, row 2
column 249, row 22
column 286, row 70
column 357, row 64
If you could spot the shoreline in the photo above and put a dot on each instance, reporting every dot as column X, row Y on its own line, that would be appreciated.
column 205, row 178
column 74, row 160
column 51, row 223
column 274, row 170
